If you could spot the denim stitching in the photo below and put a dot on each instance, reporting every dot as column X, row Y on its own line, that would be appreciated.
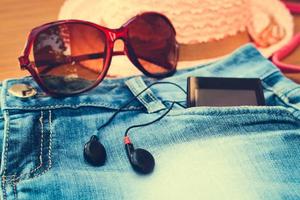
column 49, row 153
column 245, row 110
column 3, row 185
column 6, row 141
column 41, row 145
column 13, row 177
column 14, row 186
column 21, row 177
column 50, row 141
column 3, row 188
column 292, row 90
column 14, row 181
column 282, row 97
column 50, row 149
column 74, row 106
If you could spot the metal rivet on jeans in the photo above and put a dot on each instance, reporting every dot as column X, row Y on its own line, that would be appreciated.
column 22, row 91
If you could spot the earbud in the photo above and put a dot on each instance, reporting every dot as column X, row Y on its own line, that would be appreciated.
column 141, row 160
column 94, row 152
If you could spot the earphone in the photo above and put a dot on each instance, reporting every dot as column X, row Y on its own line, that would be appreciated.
column 141, row 160
column 94, row 152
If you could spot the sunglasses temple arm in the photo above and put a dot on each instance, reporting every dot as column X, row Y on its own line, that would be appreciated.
column 167, row 65
column 49, row 65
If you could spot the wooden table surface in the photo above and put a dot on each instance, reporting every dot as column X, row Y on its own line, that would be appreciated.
column 18, row 17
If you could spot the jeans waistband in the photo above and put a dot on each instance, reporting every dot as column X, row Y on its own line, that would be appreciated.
column 113, row 93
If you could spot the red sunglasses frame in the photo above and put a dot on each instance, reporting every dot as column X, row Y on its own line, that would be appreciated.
column 111, row 36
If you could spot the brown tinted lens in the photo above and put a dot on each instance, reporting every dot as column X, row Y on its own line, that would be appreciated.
column 152, row 39
column 69, row 57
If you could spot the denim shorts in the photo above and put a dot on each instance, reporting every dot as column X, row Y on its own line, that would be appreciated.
column 228, row 153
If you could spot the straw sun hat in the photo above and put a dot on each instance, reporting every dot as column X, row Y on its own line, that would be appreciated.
column 206, row 30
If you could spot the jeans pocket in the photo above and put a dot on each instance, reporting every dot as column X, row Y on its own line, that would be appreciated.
column 206, row 123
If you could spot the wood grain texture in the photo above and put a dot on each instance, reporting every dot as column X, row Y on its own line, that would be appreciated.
column 18, row 17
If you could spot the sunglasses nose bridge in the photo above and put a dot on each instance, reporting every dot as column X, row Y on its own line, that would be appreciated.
column 119, row 33
column 118, row 38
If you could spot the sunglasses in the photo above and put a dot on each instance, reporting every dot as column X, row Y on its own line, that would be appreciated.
column 73, row 56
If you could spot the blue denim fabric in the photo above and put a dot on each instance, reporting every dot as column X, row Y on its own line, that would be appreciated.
column 138, row 88
column 223, row 153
